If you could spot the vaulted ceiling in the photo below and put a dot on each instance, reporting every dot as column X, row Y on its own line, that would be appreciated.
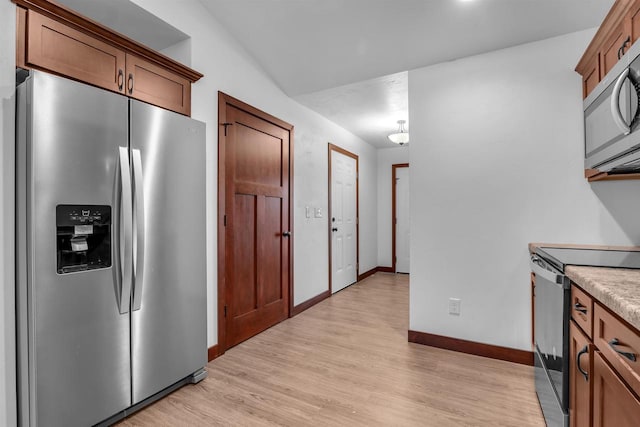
column 348, row 59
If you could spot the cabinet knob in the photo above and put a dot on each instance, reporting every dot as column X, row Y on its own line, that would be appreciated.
column 130, row 84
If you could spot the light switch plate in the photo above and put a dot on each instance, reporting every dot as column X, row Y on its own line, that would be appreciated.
column 307, row 211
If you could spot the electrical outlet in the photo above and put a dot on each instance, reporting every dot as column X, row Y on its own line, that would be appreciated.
column 318, row 212
column 454, row 306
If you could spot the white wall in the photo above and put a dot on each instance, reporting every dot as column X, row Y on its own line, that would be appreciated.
column 496, row 162
column 229, row 69
column 386, row 158
column 7, row 206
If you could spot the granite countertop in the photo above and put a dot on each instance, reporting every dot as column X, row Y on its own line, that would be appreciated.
column 616, row 288
column 533, row 246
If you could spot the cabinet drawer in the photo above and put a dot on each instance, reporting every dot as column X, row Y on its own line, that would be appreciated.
column 613, row 403
column 582, row 310
column 54, row 47
column 619, row 344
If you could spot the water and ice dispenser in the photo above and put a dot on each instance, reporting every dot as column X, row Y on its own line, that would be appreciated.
column 83, row 237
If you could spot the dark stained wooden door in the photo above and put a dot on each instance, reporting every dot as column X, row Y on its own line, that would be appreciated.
column 257, row 249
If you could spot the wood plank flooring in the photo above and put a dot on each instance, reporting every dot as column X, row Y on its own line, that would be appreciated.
column 347, row 362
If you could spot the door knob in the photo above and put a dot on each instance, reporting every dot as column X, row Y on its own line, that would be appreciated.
column 286, row 234
column 334, row 229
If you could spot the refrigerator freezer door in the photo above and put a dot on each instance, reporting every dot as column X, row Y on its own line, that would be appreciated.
column 78, row 351
column 169, row 327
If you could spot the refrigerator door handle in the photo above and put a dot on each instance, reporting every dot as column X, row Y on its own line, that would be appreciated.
column 124, row 234
column 138, row 272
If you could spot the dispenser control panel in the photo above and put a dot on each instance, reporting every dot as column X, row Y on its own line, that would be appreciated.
column 83, row 235
column 71, row 215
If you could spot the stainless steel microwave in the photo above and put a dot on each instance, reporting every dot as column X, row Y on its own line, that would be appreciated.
column 612, row 118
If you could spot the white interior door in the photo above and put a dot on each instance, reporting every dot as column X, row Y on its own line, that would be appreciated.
column 343, row 221
column 403, row 233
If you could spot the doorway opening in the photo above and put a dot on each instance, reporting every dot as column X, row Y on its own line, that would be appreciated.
column 400, row 240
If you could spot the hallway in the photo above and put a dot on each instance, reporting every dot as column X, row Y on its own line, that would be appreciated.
column 345, row 362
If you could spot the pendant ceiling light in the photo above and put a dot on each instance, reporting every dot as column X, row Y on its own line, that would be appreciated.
column 402, row 136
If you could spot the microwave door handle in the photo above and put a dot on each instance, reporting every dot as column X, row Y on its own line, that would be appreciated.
column 140, row 229
column 124, row 231
column 615, row 104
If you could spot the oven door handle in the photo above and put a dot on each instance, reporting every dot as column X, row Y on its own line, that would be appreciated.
column 537, row 266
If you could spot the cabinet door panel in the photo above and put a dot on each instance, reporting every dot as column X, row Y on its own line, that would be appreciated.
column 155, row 85
column 580, row 378
column 21, row 35
column 634, row 18
column 60, row 49
column 591, row 77
column 609, row 53
column 613, row 403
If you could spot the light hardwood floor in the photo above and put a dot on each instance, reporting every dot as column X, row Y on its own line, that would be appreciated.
column 347, row 362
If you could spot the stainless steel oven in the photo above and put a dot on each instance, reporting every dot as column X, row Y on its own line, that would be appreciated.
column 551, row 337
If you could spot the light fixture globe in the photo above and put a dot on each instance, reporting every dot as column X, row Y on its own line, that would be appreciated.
column 402, row 136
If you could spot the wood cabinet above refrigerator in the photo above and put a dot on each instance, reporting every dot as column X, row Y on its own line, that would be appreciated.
column 56, row 39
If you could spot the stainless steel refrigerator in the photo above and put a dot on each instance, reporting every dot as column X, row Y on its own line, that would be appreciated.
column 111, row 245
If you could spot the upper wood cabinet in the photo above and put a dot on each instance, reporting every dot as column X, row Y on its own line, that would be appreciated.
column 613, row 38
column 634, row 22
column 613, row 47
column 148, row 82
column 591, row 76
column 52, row 38
column 56, row 47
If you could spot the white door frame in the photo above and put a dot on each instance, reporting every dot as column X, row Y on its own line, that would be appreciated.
column 393, row 212
column 335, row 148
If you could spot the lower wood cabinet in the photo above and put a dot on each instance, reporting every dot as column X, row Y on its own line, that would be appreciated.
column 613, row 402
column 580, row 377
column 604, row 375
